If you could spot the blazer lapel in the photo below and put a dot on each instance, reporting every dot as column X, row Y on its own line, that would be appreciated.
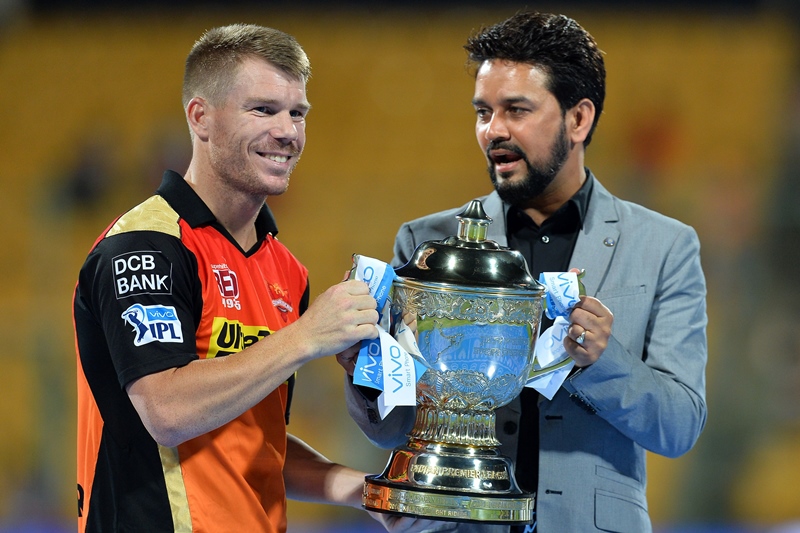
column 598, row 239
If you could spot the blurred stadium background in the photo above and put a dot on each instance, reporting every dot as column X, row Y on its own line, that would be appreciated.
column 702, row 122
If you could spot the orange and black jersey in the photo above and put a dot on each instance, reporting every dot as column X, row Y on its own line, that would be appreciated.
column 164, row 285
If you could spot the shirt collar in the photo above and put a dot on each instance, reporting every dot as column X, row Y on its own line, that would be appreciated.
column 578, row 204
column 191, row 208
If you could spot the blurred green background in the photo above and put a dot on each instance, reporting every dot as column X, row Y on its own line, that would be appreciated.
column 702, row 122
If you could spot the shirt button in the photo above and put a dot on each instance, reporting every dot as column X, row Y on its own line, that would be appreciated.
column 545, row 239
column 509, row 428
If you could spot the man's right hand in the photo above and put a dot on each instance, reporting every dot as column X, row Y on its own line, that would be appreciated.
column 339, row 318
column 347, row 358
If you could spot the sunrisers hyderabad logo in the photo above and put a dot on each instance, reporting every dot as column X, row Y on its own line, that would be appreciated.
column 280, row 299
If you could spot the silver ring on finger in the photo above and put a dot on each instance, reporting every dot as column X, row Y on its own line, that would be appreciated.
column 581, row 338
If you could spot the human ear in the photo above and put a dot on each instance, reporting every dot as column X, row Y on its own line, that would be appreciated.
column 198, row 118
column 581, row 118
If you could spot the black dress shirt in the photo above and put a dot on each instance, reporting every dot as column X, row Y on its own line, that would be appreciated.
column 546, row 248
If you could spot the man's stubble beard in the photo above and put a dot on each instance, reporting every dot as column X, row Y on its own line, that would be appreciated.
column 540, row 175
column 239, row 174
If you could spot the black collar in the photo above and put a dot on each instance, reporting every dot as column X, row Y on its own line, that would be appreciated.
column 573, row 209
column 191, row 208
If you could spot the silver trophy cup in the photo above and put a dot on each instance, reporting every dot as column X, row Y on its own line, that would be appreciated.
column 478, row 311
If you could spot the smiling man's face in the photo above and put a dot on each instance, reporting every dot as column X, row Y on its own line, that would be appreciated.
column 258, row 133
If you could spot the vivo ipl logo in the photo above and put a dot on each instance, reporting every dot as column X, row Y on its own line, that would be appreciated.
column 397, row 360
column 370, row 372
column 368, row 276
column 369, row 273
column 558, row 334
column 563, row 292
column 153, row 323
column 567, row 286
column 378, row 286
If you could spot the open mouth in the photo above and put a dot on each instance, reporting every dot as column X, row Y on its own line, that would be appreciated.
column 274, row 157
column 501, row 157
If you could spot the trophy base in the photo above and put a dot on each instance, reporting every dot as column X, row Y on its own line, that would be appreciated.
column 449, row 482
column 385, row 496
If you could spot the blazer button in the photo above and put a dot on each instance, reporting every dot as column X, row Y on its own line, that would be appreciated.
column 509, row 428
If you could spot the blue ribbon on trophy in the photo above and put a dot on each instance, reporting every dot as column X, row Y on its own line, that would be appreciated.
column 390, row 363
column 552, row 363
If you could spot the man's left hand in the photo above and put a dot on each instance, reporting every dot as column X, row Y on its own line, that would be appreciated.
column 589, row 331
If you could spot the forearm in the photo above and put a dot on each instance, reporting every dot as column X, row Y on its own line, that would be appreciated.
column 660, row 411
column 651, row 385
column 182, row 403
column 310, row 477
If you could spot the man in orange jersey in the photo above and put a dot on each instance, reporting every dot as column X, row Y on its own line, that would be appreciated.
column 191, row 319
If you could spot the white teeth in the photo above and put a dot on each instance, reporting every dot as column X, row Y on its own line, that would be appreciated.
column 278, row 158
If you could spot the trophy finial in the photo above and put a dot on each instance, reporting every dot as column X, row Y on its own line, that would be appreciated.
column 473, row 222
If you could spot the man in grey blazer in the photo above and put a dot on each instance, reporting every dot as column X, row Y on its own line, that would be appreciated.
column 639, row 336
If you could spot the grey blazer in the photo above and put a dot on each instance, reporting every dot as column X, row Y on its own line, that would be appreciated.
column 646, row 392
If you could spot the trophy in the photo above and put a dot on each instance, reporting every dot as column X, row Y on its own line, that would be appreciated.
column 478, row 311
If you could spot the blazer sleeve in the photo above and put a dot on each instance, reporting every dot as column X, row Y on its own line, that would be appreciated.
column 361, row 404
column 657, row 398
column 404, row 246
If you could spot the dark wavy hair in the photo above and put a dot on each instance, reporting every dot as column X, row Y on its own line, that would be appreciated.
column 555, row 43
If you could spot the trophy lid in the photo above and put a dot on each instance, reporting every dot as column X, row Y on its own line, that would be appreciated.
column 470, row 259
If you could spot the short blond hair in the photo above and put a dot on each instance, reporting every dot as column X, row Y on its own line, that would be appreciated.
column 215, row 58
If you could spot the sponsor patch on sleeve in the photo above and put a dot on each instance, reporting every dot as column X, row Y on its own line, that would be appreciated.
column 144, row 272
column 153, row 323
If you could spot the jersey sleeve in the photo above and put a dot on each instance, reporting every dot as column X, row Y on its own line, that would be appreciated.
column 139, row 293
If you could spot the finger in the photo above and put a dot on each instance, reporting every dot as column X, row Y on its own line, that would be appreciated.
column 367, row 302
column 355, row 287
column 356, row 304
column 348, row 355
column 593, row 306
column 347, row 363
column 581, row 319
column 368, row 331
column 575, row 330
column 366, row 316
column 577, row 337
